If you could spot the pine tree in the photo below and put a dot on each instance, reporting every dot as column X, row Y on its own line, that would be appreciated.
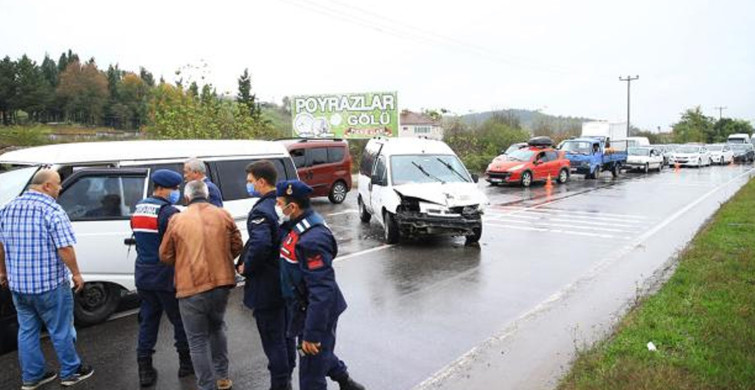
column 245, row 95
column 8, row 89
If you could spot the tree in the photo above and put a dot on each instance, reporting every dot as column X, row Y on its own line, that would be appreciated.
column 133, row 93
column 8, row 89
column 33, row 90
column 147, row 77
column 245, row 95
column 194, row 89
column 694, row 126
column 49, row 70
column 85, row 90
column 727, row 126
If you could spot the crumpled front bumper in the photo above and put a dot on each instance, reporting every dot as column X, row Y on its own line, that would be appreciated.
column 412, row 223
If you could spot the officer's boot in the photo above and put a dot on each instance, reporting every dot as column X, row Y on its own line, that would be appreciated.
column 287, row 386
column 147, row 373
column 185, row 367
column 349, row 384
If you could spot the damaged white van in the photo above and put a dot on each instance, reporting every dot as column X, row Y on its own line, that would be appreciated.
column 417, row 187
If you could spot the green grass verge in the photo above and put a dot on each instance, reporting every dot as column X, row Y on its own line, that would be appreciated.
column 702, row 320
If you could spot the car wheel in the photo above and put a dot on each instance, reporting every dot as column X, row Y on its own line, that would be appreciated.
column 338, row 192
column 647, row 168
column 660, row 167
column 616, row 170
column 722, row 160
column 596, row 174
column 699, row 162
column 364, row 215
column 526, row 179
column 475, row 237
column 563, row 176
column 391, row 228
column 96, row 302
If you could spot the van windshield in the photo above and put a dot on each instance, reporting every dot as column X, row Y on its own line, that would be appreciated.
column 581, row 147
column 639, row 152
column 426, row 168
column 13, row 182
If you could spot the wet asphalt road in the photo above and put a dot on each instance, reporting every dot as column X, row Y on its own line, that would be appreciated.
column 555, row 268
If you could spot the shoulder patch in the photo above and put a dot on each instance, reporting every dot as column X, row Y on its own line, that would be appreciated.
column 258, row 221
column 315, row 262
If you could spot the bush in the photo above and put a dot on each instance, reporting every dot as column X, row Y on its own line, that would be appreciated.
column 24, row 136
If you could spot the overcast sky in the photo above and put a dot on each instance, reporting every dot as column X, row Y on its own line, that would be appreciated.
column 562, row 57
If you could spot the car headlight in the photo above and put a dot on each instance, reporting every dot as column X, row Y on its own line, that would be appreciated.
column 516, row 168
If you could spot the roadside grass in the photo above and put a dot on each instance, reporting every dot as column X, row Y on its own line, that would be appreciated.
column 702, row 320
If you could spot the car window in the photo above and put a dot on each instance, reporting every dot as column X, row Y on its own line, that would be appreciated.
column 299, row 157
column 551, row 156
column 368, row 158
column 232, row 176
column 335, row 154
column 380, row 170
column 102, row 197
column 318, row 156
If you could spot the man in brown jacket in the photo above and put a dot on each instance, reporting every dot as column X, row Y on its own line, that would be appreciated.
column 202, row 243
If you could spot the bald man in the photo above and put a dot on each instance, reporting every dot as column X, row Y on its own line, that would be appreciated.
column 37, row 263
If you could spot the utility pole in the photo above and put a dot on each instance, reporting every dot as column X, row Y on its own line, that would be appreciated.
column 629, row 80
column 720, row 111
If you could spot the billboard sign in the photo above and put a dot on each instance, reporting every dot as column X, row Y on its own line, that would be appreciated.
column 348, row 115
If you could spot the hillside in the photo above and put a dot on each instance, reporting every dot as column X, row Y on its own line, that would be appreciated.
column 528, row 119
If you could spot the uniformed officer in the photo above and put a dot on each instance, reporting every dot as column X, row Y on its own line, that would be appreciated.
column 259, row 264
column 154, row 280
column 309, row 286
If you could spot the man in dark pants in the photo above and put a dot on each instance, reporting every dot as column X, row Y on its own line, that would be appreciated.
column 309, row 286
column 154, row 280
column 259, row 264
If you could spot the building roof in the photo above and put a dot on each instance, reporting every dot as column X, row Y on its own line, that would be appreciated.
column 414, row 118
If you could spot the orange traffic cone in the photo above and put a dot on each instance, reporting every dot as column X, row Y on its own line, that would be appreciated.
column 549, row 183
column 677, row 167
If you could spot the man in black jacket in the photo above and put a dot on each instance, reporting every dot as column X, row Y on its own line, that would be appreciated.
column 259, row 263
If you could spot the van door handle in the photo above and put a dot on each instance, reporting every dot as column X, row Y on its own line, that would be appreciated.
column 129, row 241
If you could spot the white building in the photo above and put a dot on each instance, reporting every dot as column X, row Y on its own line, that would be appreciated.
column 413, row 124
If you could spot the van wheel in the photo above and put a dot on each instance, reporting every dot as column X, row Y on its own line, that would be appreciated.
column 95, row 303
column 616, row 170
column 563, row 176
column 474, row 238
column 364, row 215
column 338, row 192
column 647, row 168
column 391, row 228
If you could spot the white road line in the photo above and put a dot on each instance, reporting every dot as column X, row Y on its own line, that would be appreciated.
column 350, row 211
column 537, row 215
column 588, row 215
column 618, row 225
column 601, row 228
column 557, row 231
column 364, row 252
column 469, row 356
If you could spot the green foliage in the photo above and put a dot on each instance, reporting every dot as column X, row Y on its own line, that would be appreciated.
column 176, row 114
column 727, row 126
column 24, row 136
column 85, row 92
column 694, row 126
column 477, row 146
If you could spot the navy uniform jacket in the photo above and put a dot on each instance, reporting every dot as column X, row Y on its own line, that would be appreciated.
column 260, row 256
column 308, row 277
column 216, row 198
column 149, row 223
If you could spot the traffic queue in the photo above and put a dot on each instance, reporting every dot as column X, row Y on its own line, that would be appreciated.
column 187, row 261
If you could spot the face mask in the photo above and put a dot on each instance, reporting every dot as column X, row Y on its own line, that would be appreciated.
column 252, row 191
column 282, row 217
column 174, row 196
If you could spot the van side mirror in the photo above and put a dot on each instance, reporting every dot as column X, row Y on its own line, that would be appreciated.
column 475, row 178
column 375, row 180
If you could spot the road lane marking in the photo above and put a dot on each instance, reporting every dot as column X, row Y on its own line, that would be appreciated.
column 364, row 252
column 350, row 211
column 587, row 216
column 601, row 228
column 469, row 357
column 545, row 217
column 557, row 231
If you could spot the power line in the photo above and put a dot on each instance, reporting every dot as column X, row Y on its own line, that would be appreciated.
column 629, row 80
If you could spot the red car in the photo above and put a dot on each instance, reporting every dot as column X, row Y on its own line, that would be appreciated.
column 527, row 165
column 324, row 164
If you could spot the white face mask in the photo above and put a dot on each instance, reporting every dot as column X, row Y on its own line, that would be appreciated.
column 282, row 218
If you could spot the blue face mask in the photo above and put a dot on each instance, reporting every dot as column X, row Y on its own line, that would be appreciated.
column 174, row 196
column 252, row 191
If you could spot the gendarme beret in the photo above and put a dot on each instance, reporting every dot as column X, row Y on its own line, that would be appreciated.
column 167, row 178
column 293, row 188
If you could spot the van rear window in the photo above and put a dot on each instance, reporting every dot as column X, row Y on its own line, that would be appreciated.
column 232, row 176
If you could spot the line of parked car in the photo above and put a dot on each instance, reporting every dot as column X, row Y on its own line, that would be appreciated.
column 536, row 160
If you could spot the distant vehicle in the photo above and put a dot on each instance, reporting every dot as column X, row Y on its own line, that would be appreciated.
column 591, row 156
column 644, row 158
column 94, row 172
column 514, row 148
column 530, row 164
column 324, row 164
column 721, row 153
column 740, row 138
column 607, row 131
column 416, row 187
column 665, row 151
column 691, row 155
column 743, row 152
column 637, row 141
